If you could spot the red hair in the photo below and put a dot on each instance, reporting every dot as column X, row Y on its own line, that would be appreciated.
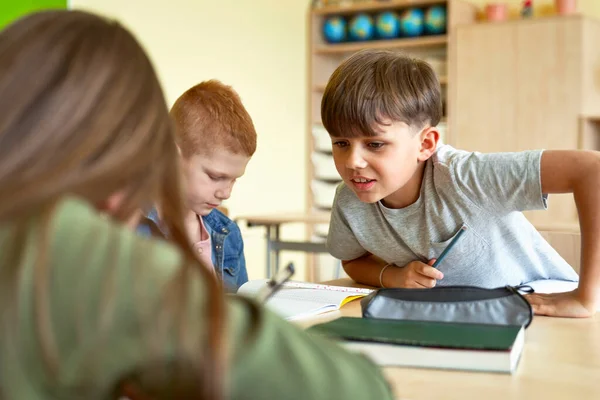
column 211, row 115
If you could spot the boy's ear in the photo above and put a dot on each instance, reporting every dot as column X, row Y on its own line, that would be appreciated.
column 429, row 138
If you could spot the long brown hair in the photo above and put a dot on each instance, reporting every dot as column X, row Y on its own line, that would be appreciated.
column 82, row 113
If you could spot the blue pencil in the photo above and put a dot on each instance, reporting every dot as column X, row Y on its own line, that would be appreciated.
column 449, row 247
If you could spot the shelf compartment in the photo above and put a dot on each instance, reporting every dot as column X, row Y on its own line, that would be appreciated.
column 404, row 43
column 373, row 6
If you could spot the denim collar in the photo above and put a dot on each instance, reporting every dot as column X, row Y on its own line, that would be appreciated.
column 218, row 221
column 215, row 220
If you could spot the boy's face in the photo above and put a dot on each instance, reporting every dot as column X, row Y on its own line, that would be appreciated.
column 209, row 178
column 387, row 166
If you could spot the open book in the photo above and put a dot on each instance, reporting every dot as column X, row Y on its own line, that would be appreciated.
column 297, row 300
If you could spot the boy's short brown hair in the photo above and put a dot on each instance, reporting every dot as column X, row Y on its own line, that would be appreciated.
column 211, row 115
column 372, row 87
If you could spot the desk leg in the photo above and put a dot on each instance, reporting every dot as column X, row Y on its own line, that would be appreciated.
column 277, row 250
column 268, row 239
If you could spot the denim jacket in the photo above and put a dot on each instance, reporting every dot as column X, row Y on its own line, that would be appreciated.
column 227, row 246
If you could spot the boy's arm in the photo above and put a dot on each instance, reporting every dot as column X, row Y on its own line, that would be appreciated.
column 369, row 270
column 576, row 172
column 365, row 269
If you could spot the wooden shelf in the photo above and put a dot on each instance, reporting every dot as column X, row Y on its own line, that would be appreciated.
column 427, row 41
column 593, row 117
column 369, row 6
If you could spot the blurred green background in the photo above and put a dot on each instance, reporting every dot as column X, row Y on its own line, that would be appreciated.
column 13, row 9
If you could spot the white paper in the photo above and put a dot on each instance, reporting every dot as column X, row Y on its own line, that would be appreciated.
column 555, row 286
column 295, row 303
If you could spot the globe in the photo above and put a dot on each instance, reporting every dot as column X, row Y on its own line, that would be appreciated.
column 387, row 25
column 411, row 22
column 334, row 29
column 361, row 27
column 435, row 20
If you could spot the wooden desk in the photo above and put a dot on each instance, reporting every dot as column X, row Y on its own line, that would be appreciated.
column 272, row 223
column 561, row 360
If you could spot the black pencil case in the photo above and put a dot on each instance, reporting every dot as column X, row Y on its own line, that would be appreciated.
column 468, row 304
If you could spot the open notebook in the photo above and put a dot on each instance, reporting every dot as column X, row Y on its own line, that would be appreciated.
column 552, row 286
column 297, row 300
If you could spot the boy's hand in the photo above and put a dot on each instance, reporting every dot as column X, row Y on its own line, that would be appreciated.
column 416, row 275
column 565, row 304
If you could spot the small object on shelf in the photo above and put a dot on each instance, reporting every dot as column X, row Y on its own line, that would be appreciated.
column 496, row 12
column 316, row 4
column 334, row 29
column 527, row 10
column 387, row 25
column 411, row 22
column 435, row 20
column 361, row 27
column 329, row 3
column 566, row 7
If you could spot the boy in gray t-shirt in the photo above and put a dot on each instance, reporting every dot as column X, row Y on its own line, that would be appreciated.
column 404, row 198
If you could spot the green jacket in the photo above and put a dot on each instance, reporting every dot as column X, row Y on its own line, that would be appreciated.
column 103, row 285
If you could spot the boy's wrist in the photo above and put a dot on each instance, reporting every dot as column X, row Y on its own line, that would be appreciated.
column 588, row 297
column 385, row 281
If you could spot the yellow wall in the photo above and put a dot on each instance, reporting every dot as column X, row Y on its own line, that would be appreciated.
column 258, row 47
column 587, row 7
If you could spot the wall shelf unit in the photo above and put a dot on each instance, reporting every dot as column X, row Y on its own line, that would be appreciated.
column 398, row 44
column 349, row 7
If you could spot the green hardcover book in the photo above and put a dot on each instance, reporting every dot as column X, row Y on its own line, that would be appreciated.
column 425, row 344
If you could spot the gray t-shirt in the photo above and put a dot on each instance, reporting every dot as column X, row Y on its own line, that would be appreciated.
column 485, row 192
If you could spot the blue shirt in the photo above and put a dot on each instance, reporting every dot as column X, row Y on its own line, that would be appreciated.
column 226, row 242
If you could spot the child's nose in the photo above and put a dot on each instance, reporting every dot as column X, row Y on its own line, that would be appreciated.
column 355, row 160
column 224, row 193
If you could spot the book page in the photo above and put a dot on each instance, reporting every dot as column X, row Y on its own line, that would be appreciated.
column 552, row 286
column 292, row 302
column 295, row 309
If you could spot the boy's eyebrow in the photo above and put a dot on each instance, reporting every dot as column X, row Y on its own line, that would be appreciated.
column 379, row 136
column 218, row 174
